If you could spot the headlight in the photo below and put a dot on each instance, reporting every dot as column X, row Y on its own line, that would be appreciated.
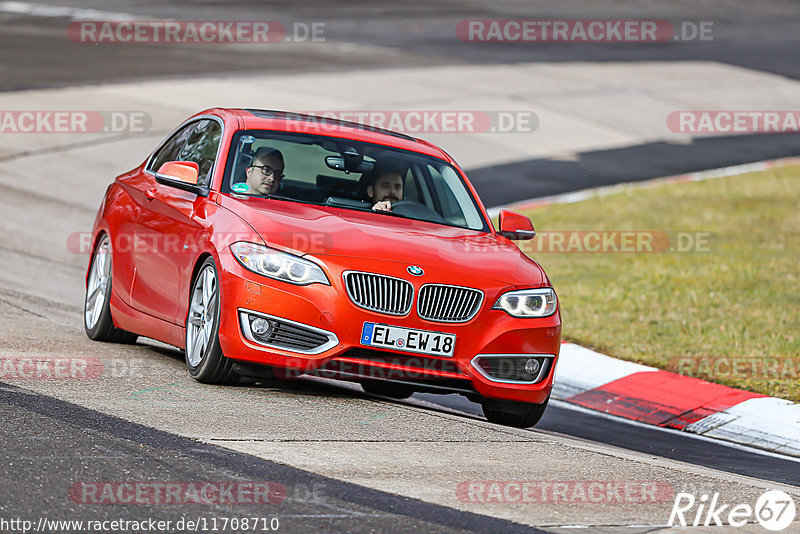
column 278, row 265
column 528, row 302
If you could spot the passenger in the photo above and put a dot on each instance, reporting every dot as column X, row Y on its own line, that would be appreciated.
column 384, row 185
column 265, row 172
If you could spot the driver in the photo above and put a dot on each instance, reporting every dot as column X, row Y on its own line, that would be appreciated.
column 265, row 172
column 384, row 186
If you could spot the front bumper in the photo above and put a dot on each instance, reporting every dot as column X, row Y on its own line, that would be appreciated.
column 328, row 309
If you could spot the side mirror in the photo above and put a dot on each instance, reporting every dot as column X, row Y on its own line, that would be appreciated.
column 515, row 226
column 182, row 175
column 183, row 171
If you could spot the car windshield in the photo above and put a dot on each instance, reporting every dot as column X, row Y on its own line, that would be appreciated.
column 343, row 173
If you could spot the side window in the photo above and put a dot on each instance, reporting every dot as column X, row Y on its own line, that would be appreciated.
column 201, row 147
column 171, row 149
column 197, row 142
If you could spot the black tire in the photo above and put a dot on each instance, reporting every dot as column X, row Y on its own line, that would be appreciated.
column 387, row 389
column 98, row 322
column 206, row 363
column 511, row 413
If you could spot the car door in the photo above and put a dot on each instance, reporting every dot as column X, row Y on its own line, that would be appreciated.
column 172, row 222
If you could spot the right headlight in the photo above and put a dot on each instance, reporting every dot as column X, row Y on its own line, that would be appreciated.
column 539, row 302
column 278, row 265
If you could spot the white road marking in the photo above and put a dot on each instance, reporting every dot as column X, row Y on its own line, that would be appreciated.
column 74, row 13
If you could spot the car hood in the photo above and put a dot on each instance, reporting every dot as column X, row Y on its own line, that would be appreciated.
column 317, row 231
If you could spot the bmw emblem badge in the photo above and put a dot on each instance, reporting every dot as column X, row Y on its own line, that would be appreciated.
column 415, row 271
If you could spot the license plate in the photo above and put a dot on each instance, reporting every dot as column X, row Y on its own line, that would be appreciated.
column 408, row 339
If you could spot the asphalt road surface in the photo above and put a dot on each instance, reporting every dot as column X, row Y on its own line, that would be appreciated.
column 566, row 419
column 46, row 441
column 36, row 52
column 379, row 33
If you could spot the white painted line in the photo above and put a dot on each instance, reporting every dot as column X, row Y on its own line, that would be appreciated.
column 73, row 13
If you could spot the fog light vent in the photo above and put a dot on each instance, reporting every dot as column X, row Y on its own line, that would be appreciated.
column 281, row 333
column 522, row 368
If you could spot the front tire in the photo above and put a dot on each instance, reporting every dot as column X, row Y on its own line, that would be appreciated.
column 97, row 320
column 204, row 358
column 511, row 413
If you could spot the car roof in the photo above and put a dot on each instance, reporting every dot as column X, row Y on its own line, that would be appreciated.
column 264, row 119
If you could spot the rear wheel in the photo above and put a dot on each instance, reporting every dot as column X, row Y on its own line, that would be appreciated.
column 387, row 389
column 97, row 320
column 204, row 358
column 511, row 413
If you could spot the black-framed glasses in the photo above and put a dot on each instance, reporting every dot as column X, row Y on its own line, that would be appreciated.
column 268, row 171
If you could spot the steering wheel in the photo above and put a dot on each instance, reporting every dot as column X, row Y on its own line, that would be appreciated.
column 415, row 210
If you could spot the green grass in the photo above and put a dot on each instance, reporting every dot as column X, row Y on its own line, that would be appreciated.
column 739, row 302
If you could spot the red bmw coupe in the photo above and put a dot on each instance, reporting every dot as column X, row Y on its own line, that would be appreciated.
column 268, row 244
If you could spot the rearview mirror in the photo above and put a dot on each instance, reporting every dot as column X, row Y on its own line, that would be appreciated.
column 340, row 164
column 182, row 175
column 515, row 226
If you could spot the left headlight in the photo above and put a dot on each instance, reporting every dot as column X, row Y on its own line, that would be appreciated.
column 528, row 302
column 278, row 265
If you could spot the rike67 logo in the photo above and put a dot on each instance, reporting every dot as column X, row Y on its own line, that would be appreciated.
column 774, row 510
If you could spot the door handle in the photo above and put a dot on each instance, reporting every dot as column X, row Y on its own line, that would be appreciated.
column 150, row 194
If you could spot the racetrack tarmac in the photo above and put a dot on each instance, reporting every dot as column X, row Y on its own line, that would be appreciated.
column 82, row 428
column 371, row 34
column 47, row 442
